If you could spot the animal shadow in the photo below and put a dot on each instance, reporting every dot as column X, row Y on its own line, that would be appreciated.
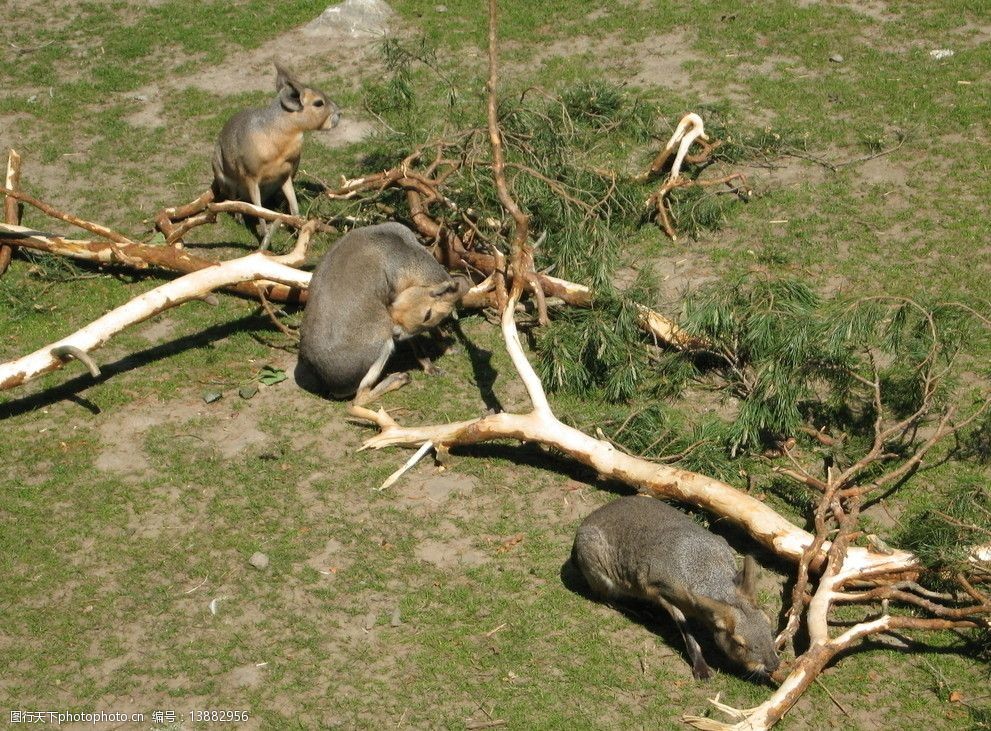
column 652, row 618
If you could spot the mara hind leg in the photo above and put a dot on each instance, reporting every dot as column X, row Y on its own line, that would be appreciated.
column 255, row 194
column 367, row 392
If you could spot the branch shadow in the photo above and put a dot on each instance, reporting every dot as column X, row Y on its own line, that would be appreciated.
column 532, row 455
column 73, row 389
column 481, row 366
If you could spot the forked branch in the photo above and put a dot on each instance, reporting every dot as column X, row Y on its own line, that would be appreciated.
column 690, row 130
column 893, row 600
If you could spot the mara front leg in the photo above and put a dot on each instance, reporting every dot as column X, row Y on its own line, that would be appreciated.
column 700, row 668
column 289, row 191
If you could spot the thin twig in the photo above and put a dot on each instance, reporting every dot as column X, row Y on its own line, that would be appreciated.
column 832, row 697
column 410, row 463
column 49, row 210
column 835, row 166
column 273, row 317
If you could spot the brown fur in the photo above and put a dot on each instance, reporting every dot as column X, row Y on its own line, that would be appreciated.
column 418, row 308
column 259, row 149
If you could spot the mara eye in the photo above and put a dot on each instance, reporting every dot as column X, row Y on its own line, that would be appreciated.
column 318, row 103
column 426, row 317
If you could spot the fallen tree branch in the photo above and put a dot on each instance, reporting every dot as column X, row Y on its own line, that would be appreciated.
column 141, row 257
column 49, row 210
column 841, row 581
column 208, row 214
column 177, row 259
column 196, row 285
column 690, row 128
column 456, row 255
column 765, row 525
column 166, row 218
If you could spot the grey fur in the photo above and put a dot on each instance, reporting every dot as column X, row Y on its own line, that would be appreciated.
column 640, row 547
column 350, row 323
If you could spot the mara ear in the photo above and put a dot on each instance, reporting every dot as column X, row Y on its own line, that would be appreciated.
column 719, row 614
column 453, row 285
column 463, row 285
column 290, row 90
column 746, row 578
column 440, row 290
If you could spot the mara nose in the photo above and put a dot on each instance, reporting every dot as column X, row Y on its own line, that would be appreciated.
column 771, row 664
column 332, row 120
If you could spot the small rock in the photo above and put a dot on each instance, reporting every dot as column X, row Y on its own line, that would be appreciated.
column 836, row 58
column 441, row 8
column 396, row 618
column 938, row 54
column 356, row 18
column 259, row 560
column 370, row 620
column 211, row 396
column 247, row 392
